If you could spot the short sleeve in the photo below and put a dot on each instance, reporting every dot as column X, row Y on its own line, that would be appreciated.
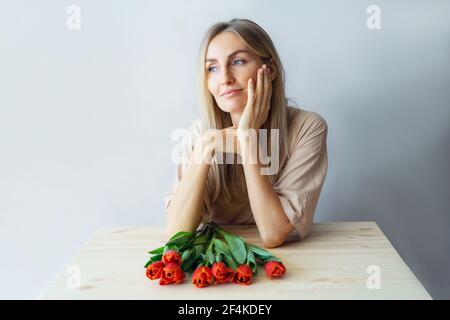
column 182, row 158
column 301, row 179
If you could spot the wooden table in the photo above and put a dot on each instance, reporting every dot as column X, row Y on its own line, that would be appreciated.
column 331, row 263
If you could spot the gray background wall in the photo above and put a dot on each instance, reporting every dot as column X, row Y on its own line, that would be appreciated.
column 86, row 117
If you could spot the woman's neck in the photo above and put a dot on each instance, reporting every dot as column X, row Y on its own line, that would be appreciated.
column 235, row 118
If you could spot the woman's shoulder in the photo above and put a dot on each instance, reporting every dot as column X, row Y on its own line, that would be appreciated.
column 298, row 117
column 304, row 123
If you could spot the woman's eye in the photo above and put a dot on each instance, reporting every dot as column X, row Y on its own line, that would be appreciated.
column 235, row 62
column 239, row 60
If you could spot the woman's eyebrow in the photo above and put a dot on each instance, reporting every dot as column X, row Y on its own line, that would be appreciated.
column 230, row 55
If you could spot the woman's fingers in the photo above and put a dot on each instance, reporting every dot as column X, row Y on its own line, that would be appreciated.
column 250, row 92
column 267, row 90
column 226, row 140
column 258, row 99
column 259, row 88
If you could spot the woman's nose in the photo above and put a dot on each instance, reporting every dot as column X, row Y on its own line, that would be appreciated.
column 226, row 77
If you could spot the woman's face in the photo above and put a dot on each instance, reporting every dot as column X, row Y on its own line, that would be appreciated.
column 229, row 65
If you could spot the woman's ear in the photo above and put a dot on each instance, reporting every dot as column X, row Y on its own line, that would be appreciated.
column 272, row 69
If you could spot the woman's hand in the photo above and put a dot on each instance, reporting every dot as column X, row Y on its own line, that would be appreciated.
column 258, row 103
column 226, row 141
column 212, row 141
column 253, row 117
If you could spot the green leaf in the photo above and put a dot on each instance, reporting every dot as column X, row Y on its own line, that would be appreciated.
column 229, row 261
column 197, row 238
column 181, row 234
column 200, row 239
column 191, row 245
column 271, row 258
column 197, row 244
column 177, row 242
column 210, row 258
column 157, row 251
column 198, row 250
column 180, row 240
column 186, row 254
column 221, row 254
column 190, row 263
column 156, row 257
column 221, row 246
column 148, row 263
column 251, row 261
column 170, row 247
column 260, row 252
column 236, row 245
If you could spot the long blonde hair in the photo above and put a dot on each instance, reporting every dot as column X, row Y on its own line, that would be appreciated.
column 228, row 180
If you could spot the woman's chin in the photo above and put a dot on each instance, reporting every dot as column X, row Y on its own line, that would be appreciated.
column 232, row 107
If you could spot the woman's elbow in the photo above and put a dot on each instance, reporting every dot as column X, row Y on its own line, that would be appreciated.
column 273, row 242
column 278, row 239
column 270, row 245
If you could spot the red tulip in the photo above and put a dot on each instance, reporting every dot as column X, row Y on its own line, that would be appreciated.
column 274, row 269
column 243, row 275
column 154, row 270
column 202, row 277
column 222, row 273
column 171, row 273
column 171, row 256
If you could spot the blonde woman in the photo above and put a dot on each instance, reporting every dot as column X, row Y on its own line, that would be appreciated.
column 241, row 86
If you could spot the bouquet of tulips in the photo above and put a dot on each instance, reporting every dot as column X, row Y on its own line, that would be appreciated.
column 212, row 256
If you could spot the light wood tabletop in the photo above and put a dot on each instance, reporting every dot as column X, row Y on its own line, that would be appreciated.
column 338, row 260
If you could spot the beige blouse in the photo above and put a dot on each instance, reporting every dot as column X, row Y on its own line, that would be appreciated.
column 298, row 182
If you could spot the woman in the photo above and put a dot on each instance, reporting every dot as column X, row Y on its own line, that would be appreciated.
column 241, row 85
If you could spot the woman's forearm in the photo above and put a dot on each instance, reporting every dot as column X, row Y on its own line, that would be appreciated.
column 272, row 222
column 186, row 205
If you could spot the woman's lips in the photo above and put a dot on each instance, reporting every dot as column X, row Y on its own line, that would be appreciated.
column 232, row 93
